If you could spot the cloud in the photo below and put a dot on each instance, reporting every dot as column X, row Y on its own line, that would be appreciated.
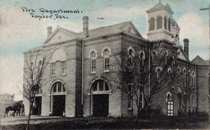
column 11, row 75
column 193, row 27
column 122, row 12
column 18, row 27
column 19, row 32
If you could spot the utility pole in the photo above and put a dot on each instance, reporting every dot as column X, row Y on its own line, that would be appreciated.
column 208, row 9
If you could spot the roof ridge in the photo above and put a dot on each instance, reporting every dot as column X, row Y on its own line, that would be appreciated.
column 65, row 29
column 109, row 26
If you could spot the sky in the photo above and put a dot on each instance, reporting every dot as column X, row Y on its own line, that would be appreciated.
column 19, row 31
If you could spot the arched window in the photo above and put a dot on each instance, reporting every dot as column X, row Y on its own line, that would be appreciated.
column 93, row 56
column 100, row 87
column 165, row 22
column 58, row 87
column 179, row 70
column 131, row 54
column 142, row 57
column 106, row 54
column 170, row 104
column 158, row 70
column 159, row 22
column 151, row 24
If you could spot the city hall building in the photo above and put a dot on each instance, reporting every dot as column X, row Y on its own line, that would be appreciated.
column 83, row 73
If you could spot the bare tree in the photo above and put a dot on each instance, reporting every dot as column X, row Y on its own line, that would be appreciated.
column 146, row 72
column 33, row 71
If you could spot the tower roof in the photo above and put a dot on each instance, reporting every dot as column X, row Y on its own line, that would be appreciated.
column 160, row 6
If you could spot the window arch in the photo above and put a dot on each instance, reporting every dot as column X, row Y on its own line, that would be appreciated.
column 58, row 87
column 131, row 52
column 169, row 70
column 100, row 87
column 184, row 70
column 159, row 22
column 93, row 56
column 151, row 24
column 106, row 54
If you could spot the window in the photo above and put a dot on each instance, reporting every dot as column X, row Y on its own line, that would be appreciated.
column 141, row 57
column 159, row 22
column 93, row 61
column 151, row 24
column 130, row 97
column 52, row 67
column 106, row 54
column 93, row 65
column 165, row 22
column 170, row 104
column 158, row 69
column 131, row 54
column 63, row 67
column 169, row 24
column 39, row 91
column 170, row 108
column 193, row 77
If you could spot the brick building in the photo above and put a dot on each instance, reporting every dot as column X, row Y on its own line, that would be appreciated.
column 82, row 74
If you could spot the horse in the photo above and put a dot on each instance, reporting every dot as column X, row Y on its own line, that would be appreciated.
column 8, row 110
column 17, row 109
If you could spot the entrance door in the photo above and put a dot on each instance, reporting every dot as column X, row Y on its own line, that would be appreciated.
column 37, row 107
column 100, row 105
column 58, row 105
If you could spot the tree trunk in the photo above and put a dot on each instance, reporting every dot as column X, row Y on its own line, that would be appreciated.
column 29, row 117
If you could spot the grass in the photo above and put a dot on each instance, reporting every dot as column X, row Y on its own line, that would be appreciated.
column 114, row 123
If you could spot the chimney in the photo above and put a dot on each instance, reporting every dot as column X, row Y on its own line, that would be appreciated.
column 186, row 47
column 85, row 20
column 49, row 31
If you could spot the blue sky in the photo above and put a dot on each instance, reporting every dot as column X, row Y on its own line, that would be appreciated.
column 20, row 32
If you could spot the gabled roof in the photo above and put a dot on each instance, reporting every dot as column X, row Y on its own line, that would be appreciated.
column 160, row 6
column 200, row 61
column 58, row 29
column 126, row 27
column 112, row 29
